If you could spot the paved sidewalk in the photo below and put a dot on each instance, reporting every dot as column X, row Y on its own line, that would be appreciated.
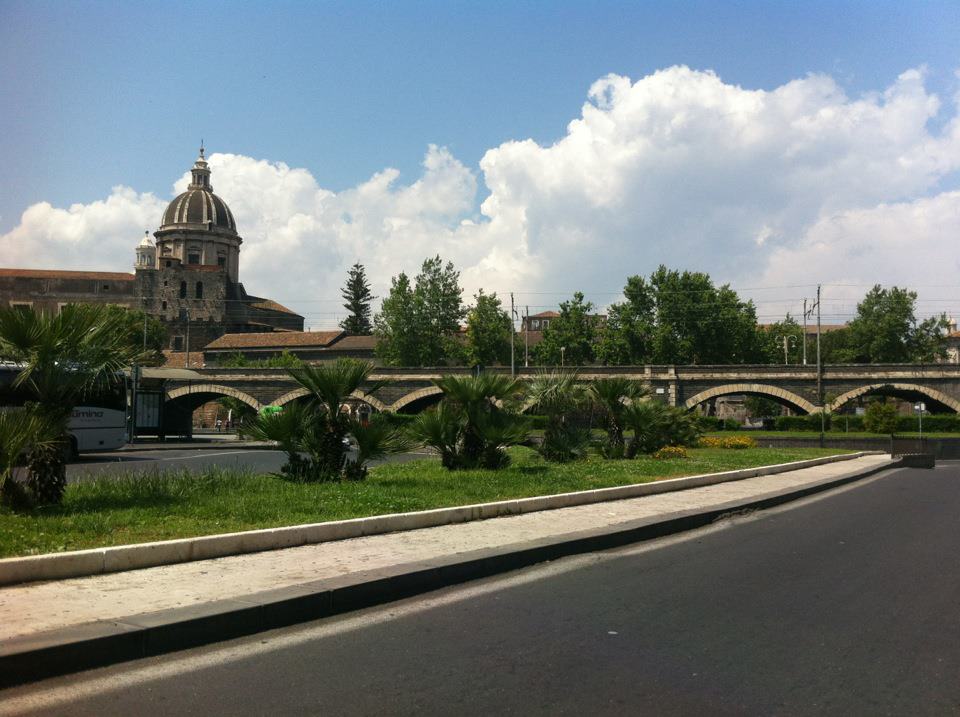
column 40, row 616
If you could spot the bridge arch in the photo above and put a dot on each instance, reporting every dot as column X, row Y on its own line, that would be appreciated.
column 357, row 395
column 413, row 396
column 208, row 388
column 931, row 393
column 779, row 394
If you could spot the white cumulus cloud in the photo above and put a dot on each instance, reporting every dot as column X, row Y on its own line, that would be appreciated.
column 799, row 184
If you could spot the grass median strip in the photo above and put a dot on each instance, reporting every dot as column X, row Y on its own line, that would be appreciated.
column 142, row 507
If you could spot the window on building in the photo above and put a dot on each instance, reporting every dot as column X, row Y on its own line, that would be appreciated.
column 106, row 287
column 199, row 291
column 193, row 258
column 546, row 323
column 221, row 260
column 164, row 305
column 183, row 290
column 536, row 324
column 182, row 315
column 21, row 304
column 178, row 343
column 169, row 263
column 164, row 282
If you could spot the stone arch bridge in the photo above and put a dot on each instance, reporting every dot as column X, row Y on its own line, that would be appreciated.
column 411, row 390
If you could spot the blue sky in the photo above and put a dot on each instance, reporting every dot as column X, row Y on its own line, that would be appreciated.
column 104, row 93
column 100, row 94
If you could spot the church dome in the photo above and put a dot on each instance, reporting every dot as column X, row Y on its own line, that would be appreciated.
column 199, row 206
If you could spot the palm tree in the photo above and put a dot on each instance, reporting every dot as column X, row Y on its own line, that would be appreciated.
column 439, row 428
column 557, row 394
column 656, row 425
column 64, row 357
column 287, row 428
column 476, row 397
column 21, row 430
column 613, row 395
column 329, row 386
column 472, row 426
column 319, row 427
column 375, row 439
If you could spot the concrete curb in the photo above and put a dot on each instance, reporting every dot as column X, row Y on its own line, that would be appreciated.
column 200, row 446
column 97, row 644
column 80, row 563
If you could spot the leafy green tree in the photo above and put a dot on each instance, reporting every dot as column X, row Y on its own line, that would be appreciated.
column 761, row 407
column 64, row 357
column 357, row 295
column 134, row 321
column 418, row 323
column 772, row 341
column 627, row 336
column 569, row 339
column 398, row 325
column 488, row 331
column 885, row 329
column 699, row 323
column 679, row 318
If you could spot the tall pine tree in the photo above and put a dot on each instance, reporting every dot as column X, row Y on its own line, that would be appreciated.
column 356, row 292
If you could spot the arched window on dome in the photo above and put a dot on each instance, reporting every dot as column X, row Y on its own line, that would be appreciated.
column 199, row 290
column 183, row 290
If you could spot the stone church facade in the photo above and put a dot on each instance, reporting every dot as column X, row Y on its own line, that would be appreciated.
column 188, row 278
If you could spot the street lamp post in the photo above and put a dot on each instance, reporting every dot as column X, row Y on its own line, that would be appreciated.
column 788, row 341
column 563, row 351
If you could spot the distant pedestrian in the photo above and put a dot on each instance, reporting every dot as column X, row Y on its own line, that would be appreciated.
column 219, row 425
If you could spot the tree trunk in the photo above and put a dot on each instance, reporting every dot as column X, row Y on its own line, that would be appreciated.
column 48, row 473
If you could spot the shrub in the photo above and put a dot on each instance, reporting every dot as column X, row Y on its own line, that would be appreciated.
column 670, row 452
column 880, row 417
column 802, row 423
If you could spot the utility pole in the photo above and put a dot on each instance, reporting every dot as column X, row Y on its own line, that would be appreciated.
column 513, row 363
column 804, row 332
column 526, row 338
column 819, row 365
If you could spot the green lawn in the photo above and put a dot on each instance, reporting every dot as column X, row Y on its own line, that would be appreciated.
column 147, row 507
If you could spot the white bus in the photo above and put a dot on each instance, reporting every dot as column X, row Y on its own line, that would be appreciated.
column 99, row 424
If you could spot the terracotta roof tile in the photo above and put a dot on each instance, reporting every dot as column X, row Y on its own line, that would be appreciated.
column 278, row 339
column 178, row 359
column 271, row 305
column 355, row 343
column 545, row 315
column 57, row 274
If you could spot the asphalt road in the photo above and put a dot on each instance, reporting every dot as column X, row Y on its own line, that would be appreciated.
column 848, row 603
column 91, row 465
